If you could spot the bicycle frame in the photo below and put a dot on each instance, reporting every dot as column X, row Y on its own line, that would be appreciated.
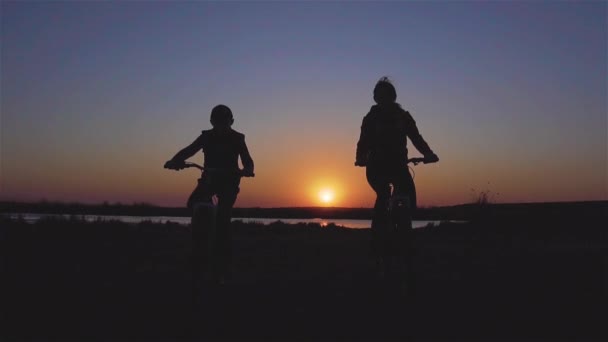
column 204, row 229
column 402, row 203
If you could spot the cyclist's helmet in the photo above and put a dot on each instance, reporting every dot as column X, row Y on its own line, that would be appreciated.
column 384, row 91
column 221, row 115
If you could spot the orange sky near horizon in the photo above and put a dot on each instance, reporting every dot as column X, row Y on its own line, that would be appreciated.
column 294, row 176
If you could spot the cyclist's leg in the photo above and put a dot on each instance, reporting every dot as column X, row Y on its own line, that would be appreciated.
column 379, row 239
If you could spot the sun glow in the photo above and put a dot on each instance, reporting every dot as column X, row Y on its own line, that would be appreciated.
column 326, row 196
column 325, row 191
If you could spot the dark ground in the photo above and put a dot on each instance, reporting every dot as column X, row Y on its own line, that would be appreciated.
column 486, row 281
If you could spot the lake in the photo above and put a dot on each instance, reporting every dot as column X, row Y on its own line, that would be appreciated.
column 354, row 224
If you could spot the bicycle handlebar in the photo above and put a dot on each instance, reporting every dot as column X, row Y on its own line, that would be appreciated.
column 190, row 164
column 186, row 165
column 414, row 161
column 417, row 161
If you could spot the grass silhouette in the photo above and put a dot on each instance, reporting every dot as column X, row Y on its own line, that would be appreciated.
column 69, row 279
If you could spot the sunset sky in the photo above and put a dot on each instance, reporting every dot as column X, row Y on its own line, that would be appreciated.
column 96, row 96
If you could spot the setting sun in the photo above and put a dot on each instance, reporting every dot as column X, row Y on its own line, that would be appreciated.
column 326, row 196
column 325, row 190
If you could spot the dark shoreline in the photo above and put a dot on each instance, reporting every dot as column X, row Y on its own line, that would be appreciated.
column 597, row 209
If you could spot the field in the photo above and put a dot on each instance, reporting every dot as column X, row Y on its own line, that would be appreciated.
column 489, row 279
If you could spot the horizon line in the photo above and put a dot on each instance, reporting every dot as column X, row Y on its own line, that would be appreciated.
column 108, row 203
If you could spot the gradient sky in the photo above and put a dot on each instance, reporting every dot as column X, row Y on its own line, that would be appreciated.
column 96, row 96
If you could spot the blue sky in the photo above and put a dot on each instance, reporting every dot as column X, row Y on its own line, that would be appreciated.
column 97, row 95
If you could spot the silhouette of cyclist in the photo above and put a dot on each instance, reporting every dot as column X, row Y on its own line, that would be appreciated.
column 382, row 149
column 222, row 146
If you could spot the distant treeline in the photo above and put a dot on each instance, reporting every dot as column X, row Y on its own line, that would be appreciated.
column 591, row 210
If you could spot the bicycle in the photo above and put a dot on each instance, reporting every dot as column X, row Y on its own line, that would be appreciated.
column 397, row 254
column 205, row 250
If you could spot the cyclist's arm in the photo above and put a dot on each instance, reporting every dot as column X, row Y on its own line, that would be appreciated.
column 417, row 139
column 246, row 158
column 188, row 151
column 363, row 145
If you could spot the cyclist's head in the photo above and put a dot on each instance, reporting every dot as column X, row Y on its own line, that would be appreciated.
column 384, row 91
column 221, row 116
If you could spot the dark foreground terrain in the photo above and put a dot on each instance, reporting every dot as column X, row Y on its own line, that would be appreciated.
column 488, row 280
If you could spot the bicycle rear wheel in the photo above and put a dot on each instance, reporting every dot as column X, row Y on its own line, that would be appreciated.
column 401, row 241
column 203, row 243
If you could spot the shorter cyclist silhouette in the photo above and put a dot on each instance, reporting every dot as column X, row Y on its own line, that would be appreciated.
column 382, row 149
column 221, row 147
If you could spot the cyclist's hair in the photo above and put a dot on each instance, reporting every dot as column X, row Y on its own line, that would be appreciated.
column 384, row 91
column 221, row 115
